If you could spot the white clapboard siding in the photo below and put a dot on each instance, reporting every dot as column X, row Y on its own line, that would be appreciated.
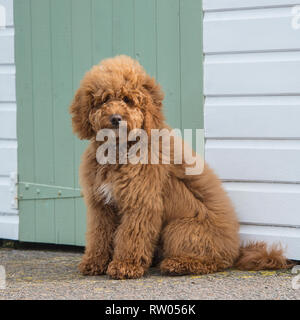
column 7, row 87
column 266, row 203
column 8, row 157
column 8, row 123
column 274, row 73
column 253, row 117
column 6, row 46
column 289, row 238
column 226, row 31
column 261, row 160
column 9, row 227
column 8, row 5
column 252, row 112
column 9, row 219
column 6, row 197
column 239, row 4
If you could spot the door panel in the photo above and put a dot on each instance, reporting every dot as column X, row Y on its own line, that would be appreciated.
column 56, row 42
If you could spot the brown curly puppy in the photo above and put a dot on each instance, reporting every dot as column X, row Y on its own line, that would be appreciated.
column 134, row 209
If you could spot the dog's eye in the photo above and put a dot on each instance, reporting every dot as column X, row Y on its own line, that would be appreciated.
column 127, row 100
column 106, row 99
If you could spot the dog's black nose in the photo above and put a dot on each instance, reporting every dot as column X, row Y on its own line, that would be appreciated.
column 115, row 119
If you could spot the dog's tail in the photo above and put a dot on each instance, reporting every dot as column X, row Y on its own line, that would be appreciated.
column 257, row 256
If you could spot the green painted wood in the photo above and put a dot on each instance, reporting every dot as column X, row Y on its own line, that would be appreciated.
column 82, row 48
column 102, row 11
column 62, row 90
column 191, row 75
column 123, row 27
column 191, row 60
column 45, row 221
column 145, row 46
column 43, row 114
column 168, row 58
column 57, row 41
column 80, row 222
column 32, row 191
column 25, row 114
column 62, row 68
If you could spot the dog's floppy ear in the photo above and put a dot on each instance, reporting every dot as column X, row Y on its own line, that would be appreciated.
column 80, row 110
column 154, row 89
column 148, row 123
column 153, row 113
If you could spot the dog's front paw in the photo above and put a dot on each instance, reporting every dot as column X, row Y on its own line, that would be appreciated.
column 92, row 266
column 125, row 270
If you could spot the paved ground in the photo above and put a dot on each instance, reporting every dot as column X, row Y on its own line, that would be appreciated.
column 53, row 274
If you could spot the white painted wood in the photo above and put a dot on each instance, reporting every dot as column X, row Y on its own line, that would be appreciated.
column 8, row 157
column 6, row 197
column 8, row 124
column 9, row 227
column 8, row 105
column 266, row 203
column 245, row 160
column 252, row 117
column 8, row 5
column 252, row 98
column 7, row 87
column 252, row 74
column 8, row 144
column 6, row 46
column 289, row 238
column 238, row 4
column 250, row 30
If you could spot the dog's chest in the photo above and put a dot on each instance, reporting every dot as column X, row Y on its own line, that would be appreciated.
column 106, row 193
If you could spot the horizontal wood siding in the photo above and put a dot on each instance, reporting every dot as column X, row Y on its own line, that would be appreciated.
column 7, row 85
column 266, row 203
column 8, row 123
column 240, row 4
column 264, row 117
column 7, row 46
column 252, row 109
column 9, row 227
column 289, row 238
column 6, row 198
column 252, row 74
column 8, row 156
column 255, row 160
column 8, row 145
column 8, row 5
column 226, row 31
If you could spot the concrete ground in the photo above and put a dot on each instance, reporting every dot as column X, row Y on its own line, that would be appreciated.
column 52, row 274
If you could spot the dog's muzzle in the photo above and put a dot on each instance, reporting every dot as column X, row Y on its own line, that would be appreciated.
column 115, row 120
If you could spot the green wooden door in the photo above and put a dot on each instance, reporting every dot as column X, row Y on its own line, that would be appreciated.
column 56, row 42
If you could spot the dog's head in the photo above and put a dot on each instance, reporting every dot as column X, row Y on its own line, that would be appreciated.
column 118, row 89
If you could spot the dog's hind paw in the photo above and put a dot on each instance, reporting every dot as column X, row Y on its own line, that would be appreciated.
column 124, row 270
column 188, row 265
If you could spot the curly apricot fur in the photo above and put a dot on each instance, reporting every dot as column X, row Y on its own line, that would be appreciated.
column 188, row 219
